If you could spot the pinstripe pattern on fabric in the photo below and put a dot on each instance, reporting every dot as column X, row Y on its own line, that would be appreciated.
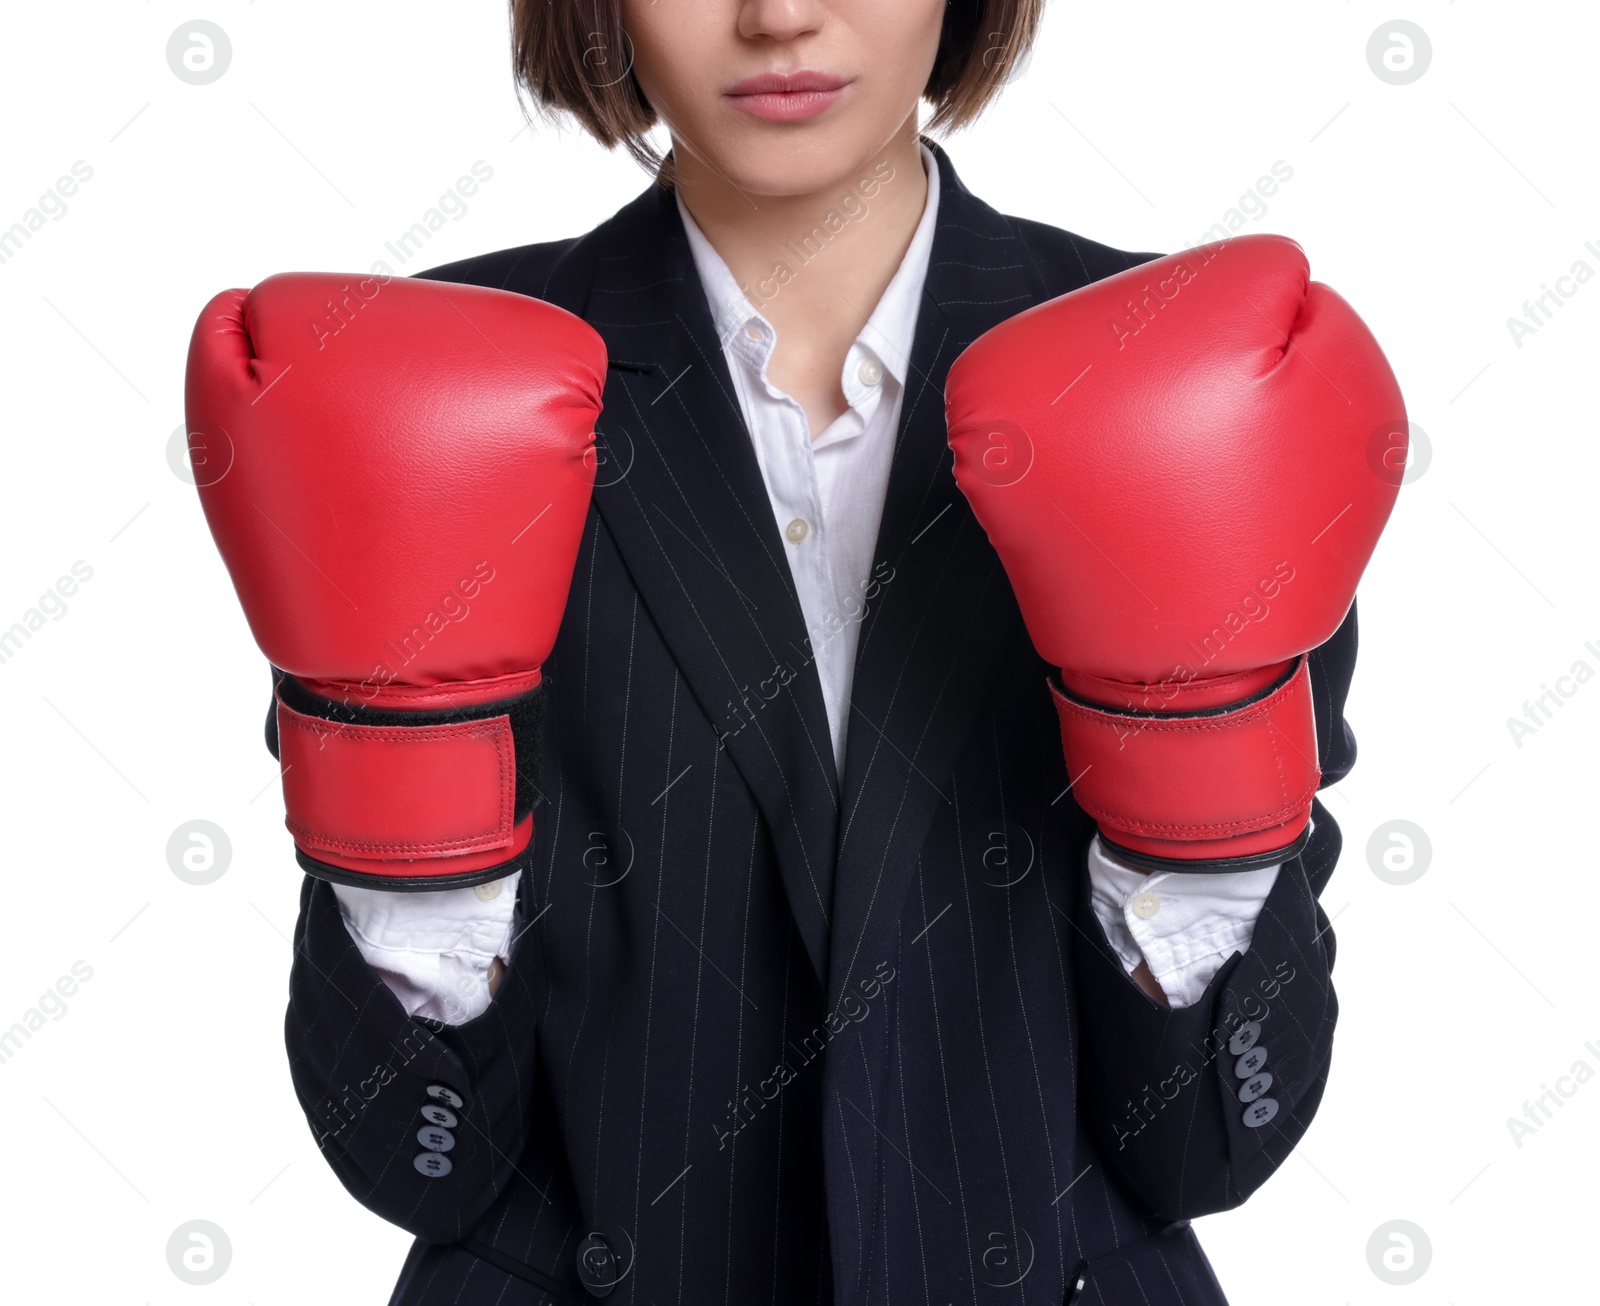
column 791, row 1037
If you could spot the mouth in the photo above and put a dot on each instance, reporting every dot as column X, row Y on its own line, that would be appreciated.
column 787, row 97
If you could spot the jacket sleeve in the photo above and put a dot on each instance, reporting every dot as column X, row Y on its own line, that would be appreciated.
column 1178, row 1101
column 365, row 1072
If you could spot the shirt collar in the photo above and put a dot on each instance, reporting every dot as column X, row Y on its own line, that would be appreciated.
column 888, row 332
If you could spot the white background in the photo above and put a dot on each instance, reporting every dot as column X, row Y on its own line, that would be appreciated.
column 160, row 1094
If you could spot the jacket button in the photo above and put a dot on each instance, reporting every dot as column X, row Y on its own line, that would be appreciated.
column 447, row 1095
column 1260, row 1112
column 1255, row 1086
column 597, row 1266
column 435, row 1165
column 1244, row 1038
column 436, row 1139
column 1250, row 1062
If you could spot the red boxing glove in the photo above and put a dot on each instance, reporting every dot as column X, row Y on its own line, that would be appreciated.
column 396, row 473
column 1184, row 468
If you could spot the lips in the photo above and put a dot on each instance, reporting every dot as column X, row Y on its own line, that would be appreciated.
column 787, row 97
column 788, row 83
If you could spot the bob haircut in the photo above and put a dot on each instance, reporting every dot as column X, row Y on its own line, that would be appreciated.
column 573, row 57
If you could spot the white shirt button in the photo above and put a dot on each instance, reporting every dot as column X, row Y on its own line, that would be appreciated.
column 797, row 530
column 1146, row 904
column 488, row 892
column 870, row 372
column 753, row 331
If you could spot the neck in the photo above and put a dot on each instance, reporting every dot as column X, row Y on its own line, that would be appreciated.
column 832, row 252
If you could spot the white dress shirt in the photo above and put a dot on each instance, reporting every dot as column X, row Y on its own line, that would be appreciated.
column 434, row 950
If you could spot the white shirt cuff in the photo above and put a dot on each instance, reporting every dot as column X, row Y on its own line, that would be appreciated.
column 434, row 949
column 1184, row 925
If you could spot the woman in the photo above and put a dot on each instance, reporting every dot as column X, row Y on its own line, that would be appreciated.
column 812, row 981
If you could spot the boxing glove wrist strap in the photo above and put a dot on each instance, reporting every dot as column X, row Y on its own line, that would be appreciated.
column 1221, row 789
column 408, row 800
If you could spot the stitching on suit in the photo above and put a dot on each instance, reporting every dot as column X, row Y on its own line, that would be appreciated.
column 981, row 235
column 634, row 290
column 1009, row 299
column 977, row 267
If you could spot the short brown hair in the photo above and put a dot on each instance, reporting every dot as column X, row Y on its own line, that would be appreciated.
column 572, row 57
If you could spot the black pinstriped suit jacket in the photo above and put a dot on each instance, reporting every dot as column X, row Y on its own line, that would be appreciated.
column 773, row 1037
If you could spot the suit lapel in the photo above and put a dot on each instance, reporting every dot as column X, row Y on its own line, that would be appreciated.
column 927, row 657
column 929, row 647
column 681, row 493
